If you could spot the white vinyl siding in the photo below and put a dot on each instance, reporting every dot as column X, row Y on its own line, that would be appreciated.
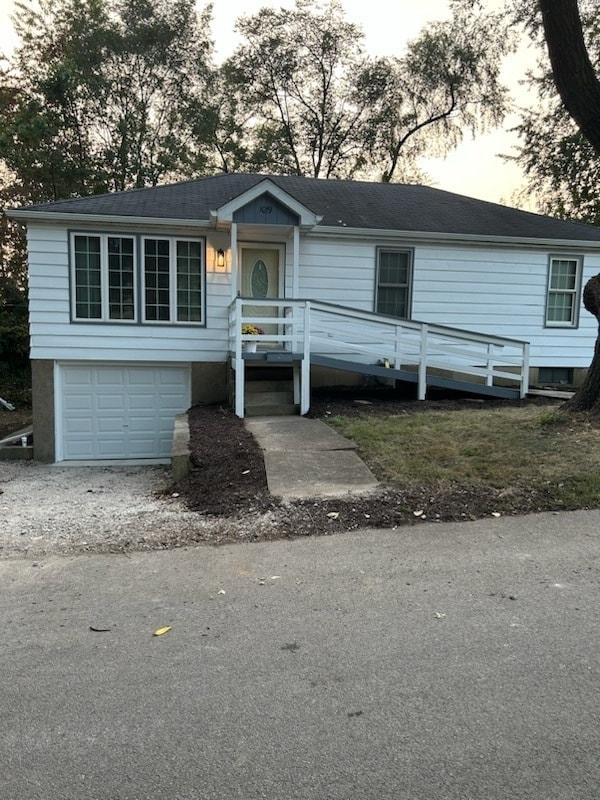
column 334, row 271
column 484, row 288
column 500, row 291
column 564, row 282
column 54, row 336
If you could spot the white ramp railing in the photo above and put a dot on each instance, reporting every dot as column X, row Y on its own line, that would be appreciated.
column 308, row 327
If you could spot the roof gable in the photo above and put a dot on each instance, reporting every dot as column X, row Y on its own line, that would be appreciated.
column 267, row 203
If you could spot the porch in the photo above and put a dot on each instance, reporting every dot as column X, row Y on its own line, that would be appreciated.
column 298, row 334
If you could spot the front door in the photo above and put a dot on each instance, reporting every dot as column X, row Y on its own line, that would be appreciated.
column 261, row 276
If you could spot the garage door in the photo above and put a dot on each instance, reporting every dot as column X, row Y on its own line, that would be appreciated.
column 120, row 412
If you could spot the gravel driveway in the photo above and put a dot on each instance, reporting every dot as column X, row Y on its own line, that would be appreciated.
column 52, row 509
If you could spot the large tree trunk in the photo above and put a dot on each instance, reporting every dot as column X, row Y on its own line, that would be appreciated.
column 579, row 89
column 587, row 397
column 574, row 74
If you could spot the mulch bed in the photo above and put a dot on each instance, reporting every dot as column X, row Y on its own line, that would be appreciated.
column 228, row 478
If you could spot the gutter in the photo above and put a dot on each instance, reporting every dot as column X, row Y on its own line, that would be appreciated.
column 120, row 219
column 332, row 231
column 455, row 238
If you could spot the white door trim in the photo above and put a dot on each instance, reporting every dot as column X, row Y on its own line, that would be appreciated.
column 279, row 246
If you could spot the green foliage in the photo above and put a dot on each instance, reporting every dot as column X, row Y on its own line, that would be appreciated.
column 113, row 94
column 15, row 385
column 14, row 333
column 104, row 94
column 14, row 344
column 448, row 81
column 562, row 168
column 552, row 418
column 312, row 103
column 294, row 77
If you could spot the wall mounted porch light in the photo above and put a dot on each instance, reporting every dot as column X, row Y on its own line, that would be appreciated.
column 220, row 261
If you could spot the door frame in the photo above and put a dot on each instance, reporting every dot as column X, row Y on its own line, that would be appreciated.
column 278, row 246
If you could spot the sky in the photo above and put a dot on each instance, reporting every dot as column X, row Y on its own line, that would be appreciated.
column 475, row 168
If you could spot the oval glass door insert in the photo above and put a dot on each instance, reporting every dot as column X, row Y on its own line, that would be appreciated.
column 259, row 279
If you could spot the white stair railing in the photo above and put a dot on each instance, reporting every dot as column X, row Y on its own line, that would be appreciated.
column 308, row 328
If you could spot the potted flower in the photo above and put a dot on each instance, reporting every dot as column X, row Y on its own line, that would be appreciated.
column 251, row 330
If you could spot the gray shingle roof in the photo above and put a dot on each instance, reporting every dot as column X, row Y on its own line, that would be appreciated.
column 351, row 204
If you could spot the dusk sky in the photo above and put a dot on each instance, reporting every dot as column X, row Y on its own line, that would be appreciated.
column 475, row 168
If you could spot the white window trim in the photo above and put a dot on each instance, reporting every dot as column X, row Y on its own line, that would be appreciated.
column 139, row 296
column 576, row 292
column 172, row 280
column 411, row 258
column 104, row 288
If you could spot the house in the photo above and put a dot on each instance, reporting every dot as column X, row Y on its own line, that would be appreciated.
column 137, row 299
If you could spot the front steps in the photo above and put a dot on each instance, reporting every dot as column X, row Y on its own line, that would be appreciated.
column 269, row 393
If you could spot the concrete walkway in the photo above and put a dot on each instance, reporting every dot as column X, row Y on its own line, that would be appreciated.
column 306, row 458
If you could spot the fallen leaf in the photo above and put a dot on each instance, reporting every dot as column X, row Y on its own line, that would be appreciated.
column 100, row 630
column 438, row 615
column 161, row 631
column 175, row 494
column 333, row 514
column 221, row 591
column 275, row 577
column 418, row 513
column 246, row 472
column 496, row 514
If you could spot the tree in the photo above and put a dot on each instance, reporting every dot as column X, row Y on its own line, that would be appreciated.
column 105, row 94
column 561, row 167
column 448, row 81
column 317, row 105
column 560, row 163
column 579, row 88
column 297, row 72
column 14, row 328
column 572, row 68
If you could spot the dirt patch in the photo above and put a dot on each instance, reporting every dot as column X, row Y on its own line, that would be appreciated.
column 11, row 421
column 228, row 478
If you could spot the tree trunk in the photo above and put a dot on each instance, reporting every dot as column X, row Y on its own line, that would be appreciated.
column 574, row 74
column 587, row 397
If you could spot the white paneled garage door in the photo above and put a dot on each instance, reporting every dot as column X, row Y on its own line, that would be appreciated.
column 119, row 411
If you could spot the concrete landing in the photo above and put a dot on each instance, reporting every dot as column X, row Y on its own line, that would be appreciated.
column 305, row 458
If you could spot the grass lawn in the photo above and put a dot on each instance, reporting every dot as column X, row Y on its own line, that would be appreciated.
column 504, row 447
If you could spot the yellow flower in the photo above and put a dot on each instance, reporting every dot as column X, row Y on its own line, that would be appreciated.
column 251, row 330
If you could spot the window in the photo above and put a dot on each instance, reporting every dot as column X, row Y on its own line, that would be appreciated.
column 172, row 280
column 555, row 375
column 394, row 278
column 562, row 302
column 105, row 275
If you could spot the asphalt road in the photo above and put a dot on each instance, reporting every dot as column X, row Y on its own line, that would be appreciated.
column 437, row 661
